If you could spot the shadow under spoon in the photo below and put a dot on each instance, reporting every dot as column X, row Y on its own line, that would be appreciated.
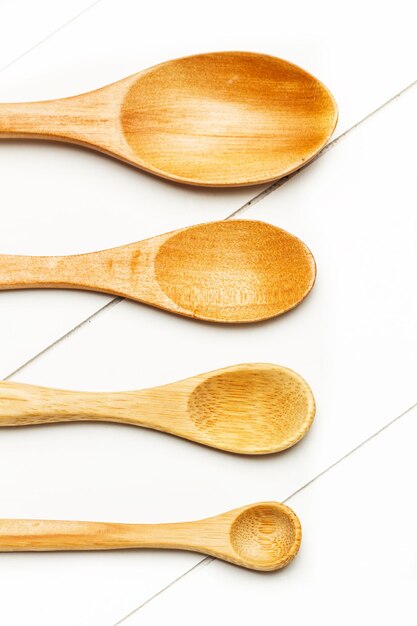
column 228, row 271
column 217, row 119
column 264, row 536
column 254, row 408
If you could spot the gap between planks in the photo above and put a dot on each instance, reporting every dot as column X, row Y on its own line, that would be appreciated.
column 109, row 305
column 51, row 34
column 279, row 183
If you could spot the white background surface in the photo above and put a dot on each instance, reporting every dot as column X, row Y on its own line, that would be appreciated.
column 354, row 339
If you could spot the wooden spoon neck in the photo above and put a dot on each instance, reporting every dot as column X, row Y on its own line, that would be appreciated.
column 197, row 536
column 174, row 535
column 124, row 407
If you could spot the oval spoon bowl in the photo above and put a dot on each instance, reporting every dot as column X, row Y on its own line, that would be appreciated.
column 265, row 536
column 230, row 118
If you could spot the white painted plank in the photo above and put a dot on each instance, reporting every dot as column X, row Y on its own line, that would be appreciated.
column 357, row 559
column 353, row 337
column 25, row 24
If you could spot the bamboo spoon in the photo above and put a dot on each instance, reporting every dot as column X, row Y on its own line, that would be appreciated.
column 219, row 119
column 255, row 408
column 264, row 536
column 228, row 271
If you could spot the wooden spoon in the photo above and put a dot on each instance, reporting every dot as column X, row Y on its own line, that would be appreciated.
column 219, row 119
column 254, row 408
column 264, row 536
column 228, row 271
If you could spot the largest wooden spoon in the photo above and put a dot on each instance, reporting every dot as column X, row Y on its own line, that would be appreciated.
column 219, row 119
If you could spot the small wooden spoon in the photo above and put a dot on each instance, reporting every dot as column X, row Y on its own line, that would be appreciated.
column 228, row 271
column 219, row 119
column 254, row 408
column 264, row 536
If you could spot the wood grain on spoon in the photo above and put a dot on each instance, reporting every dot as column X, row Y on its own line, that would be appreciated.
column 228, row 271
column 264, row 536
column 219, row 119
column 254, row 408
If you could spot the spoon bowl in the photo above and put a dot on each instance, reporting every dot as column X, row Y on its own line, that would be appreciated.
column 217, row 119
column 254, row 408
column 264, row 536
column 231, row 271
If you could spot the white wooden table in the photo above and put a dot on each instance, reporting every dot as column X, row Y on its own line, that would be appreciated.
column 352, row 479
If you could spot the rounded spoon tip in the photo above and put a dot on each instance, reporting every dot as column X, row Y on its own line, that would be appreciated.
column 265, row 536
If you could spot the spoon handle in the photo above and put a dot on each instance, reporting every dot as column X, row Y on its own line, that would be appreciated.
column 22, row 272
column 47, row 535
column 51, row 119
column 96, row 271
column 23, row 405
column 67, row 119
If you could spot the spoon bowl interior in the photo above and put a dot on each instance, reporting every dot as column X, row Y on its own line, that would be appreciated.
column 226, row 118
column 265, row 536
column 236, row 270
column 252, row 409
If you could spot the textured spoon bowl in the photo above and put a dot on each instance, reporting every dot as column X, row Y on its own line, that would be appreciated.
column 256, row 408
column 266, row 536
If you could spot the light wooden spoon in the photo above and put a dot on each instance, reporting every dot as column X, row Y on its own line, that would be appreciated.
column 255, row 408
column 228, row 271
column 219, row 119
column 264, row 536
